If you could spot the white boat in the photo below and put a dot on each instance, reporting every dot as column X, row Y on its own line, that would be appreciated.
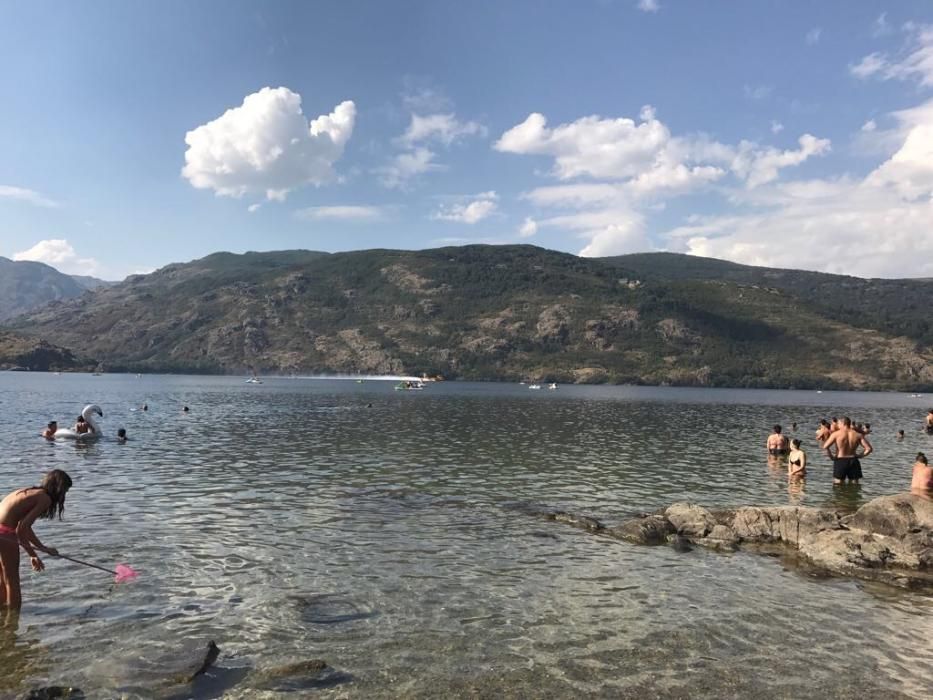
column 414, row 385
column 534, row 386
column 552, row 386
column 254, row 380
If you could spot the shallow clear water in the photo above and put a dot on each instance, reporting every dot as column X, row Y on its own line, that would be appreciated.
column 289, row 521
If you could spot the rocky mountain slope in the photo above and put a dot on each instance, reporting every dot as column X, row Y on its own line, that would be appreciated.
column 502, row 312
column 23, row 352
column 26, row 285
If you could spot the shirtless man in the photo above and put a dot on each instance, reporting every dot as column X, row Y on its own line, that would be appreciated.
column 81, row 426
column 824, row 431
column 846, row 463
column 922, row 482
column 777, row 444
column 930, row 422
column 50, row 430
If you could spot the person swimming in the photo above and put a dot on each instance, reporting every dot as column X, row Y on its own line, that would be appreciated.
column 50, row 430
column 184, row 410
column 796, row 461
column 777, row 443
column 18, row 511
column 900, row 434
column 922, row 481
column 121, row 435
column 82, row 426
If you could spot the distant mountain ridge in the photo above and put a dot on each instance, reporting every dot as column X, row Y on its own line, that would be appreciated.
column 26, row 285
column 505, row 312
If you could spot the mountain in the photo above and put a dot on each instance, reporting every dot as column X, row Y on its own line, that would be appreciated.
column 25, row 285
column 23, row 352
column 505, row 312
column 91, row 282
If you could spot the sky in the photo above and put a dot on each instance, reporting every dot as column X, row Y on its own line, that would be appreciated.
column 137, row 134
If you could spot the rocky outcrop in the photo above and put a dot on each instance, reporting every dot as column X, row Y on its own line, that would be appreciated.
column 889, row 539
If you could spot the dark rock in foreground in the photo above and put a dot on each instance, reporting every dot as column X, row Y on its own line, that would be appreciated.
column 889, row 539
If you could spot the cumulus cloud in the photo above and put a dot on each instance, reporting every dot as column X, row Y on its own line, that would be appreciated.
column 776, row 127
column 813, row 36
column 869, row 126
column 913, row 62
column 267, row 146
column 29, row 196
column 649, row 5
column 470, row 211
column 528, row 228
column 639, row 163
column 758, row 92
column 342, row 213
column 444, row 128
column 399, row 171
column 878, row 225
column 61, row 255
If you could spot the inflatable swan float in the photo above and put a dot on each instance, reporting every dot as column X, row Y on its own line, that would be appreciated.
column 89, row 413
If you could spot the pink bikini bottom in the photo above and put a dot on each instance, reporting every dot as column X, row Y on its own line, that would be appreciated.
column 7, row 530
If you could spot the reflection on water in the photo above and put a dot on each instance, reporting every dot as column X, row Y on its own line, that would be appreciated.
column 293, row 520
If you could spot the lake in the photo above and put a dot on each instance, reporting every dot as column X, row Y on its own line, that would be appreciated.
column 378, row 530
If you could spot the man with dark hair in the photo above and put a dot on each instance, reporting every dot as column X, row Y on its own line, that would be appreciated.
column 777, row 444
column 846, row 464
column 50, row 430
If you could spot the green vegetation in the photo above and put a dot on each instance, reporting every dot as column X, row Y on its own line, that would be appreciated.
column 506, row 312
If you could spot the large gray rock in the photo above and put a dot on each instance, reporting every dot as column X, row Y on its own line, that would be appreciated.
column 653, row 530
column 690, row 520
column 893, row 516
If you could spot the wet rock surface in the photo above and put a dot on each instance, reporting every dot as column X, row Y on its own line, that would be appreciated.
column 889, row 539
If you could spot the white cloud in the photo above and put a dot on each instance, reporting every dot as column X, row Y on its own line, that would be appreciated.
column 528, row 228
column 878, row 225
column 472, row 211
column 342, row 213
column 760, row 166
column 869, row 126
column 267, row 146
column 60, row 254
column 445, row 128
column 253, row 208
column 405, row 166
column 914, row 62
column 758, row 92
column 640, row 164
column 881, row 26
column 649, row 5
column 813, row 36
column 776, row 127
column 29, row 196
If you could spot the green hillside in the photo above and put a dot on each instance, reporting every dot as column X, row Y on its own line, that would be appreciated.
column 503, row 312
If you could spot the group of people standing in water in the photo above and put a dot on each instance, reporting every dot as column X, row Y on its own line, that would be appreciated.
column 842, row 439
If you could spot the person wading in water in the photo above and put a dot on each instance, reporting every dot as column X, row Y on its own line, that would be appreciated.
column 846, row 464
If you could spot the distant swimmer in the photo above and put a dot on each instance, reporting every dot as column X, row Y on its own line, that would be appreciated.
column 793, row 427
column 846, row 464
column 900, row 434
column 777, row 444
column 121, row 435
column 824, row 431
column 50, row 430
column 922, row 481
column 145, row 407
column 184, row 410
column 796, row 461
column 929, row 426
column 18, row 511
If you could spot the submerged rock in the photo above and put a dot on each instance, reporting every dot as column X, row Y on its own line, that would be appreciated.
column 889, row 539
column 583, row 522
column 54, row 692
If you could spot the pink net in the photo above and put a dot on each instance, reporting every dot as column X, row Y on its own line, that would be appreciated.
column 125, row 573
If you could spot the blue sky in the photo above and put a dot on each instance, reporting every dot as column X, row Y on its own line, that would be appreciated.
column 135, row 134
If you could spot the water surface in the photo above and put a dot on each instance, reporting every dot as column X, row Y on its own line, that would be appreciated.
column 378, row 530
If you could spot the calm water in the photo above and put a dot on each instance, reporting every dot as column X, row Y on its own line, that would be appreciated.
column 290, row 521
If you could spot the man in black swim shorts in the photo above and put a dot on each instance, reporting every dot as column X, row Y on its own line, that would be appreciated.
column 846, row 464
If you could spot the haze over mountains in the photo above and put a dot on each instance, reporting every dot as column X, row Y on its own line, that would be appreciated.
column 501, row 312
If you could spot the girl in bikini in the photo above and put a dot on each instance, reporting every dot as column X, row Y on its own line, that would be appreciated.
column 18, row 511
column 796, row 461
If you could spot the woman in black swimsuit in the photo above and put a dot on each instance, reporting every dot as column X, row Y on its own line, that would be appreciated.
column 796, row 461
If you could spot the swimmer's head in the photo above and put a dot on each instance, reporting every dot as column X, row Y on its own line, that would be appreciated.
column 777, row 429
column 121, row 433
column 922, row 458
column 56, row 484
